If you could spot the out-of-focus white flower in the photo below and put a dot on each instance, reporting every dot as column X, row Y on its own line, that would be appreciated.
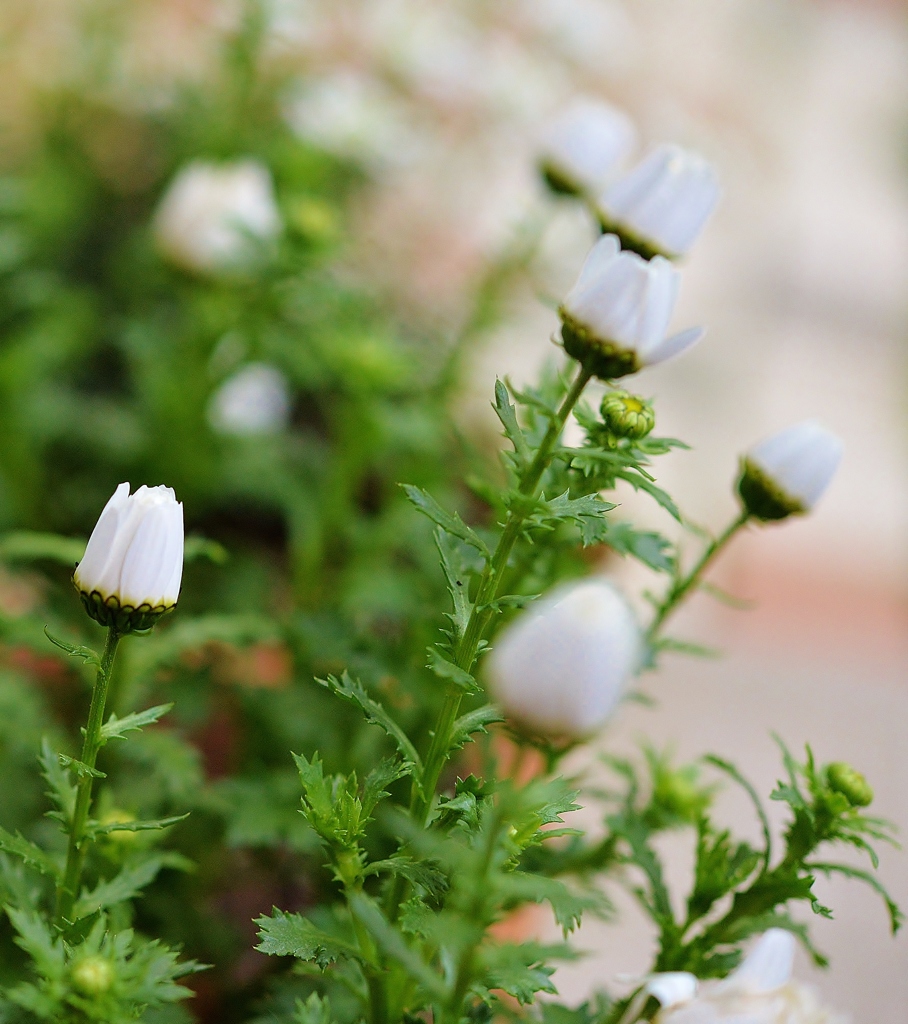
column 133, row 563
column 787, row 473
column 212, row 215
column 355, row 115
column 255, row 400
column 562, row 666
column 760, row 991
column 615, row 317
column 584, row 145
column 662, row 204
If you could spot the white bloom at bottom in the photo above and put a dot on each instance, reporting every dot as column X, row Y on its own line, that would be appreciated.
column 760, row 991
column 255, row 400
column 134, row 558
column 788, row 472
column 584, row 144
column 562, row 666
column 211, row 213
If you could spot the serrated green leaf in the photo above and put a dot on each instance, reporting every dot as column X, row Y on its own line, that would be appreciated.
column 97, row 829
column 508, row 416
column 388, row 770
column 87, row 655
column 650, row 548
column 473, row 721
column 80, row 768
column 447, row 670
column 125, row 885
column 450, row 522
column 62, row 791
column 19, row 846
column 393, row 945
column 896, row 917
column 457, row 572
column 285, row 934
column 116, row 728
column 352, row 690
column 642, row 483
column 734, row 773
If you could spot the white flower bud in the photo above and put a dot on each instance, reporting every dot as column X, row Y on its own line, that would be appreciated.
column 662, row 204
column 616, row 315
column 212, row 214
column 760, row 991
column 563, row 665
column 255, row 400
column 583, row 146
column 787, row 473
column 131, row 571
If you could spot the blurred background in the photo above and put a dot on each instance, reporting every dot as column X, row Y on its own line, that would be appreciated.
column 402, row 138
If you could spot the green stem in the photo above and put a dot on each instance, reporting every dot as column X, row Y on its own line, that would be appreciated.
column 489, row 587
column 68, row 889
column 684, row 584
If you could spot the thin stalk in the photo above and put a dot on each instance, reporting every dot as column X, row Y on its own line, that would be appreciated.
column 68, row 889
column 684, row 584
column 489, row 587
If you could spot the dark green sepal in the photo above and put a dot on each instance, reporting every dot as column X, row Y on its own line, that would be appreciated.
column 762, row 497
column 604, row 359
column 559, row 183
column 124, row 618
column 632, row 242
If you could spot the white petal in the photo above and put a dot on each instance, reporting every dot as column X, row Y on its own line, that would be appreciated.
column 672, row 987
column 766, row 967
column 586, row 142
column 92, row 567
column 801, row 460
column 595, row 264
column 668, row 348
column 662, row 293
column 563, row 664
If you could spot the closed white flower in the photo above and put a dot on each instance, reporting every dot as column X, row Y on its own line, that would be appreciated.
column 760, row 991
column 787, row 473
column 255, row 400
column 616, row 316
column 583, row 146
column 131, row 571
column 562, row 666
column 212, row 215
column 662, row 204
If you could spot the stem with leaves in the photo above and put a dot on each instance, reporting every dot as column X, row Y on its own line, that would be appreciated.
column 490, row 583
column 68, row 889
column 684, row 584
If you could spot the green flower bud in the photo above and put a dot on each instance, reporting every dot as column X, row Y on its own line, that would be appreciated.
column 93, row 975
column 627, row 415
column 842, row 778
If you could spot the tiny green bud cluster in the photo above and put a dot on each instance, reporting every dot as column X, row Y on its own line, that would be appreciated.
column 93, row 975
column 627, row 415
column 844, row 779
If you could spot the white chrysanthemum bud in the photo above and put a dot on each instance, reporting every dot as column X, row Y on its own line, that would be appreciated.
column 131, row 571
column 787, row 473
column 255, row 400
column 212, row 215
column 615, row 317
column 760, row 991
column 583, row 146
column 661, row 205
column 563, row 665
